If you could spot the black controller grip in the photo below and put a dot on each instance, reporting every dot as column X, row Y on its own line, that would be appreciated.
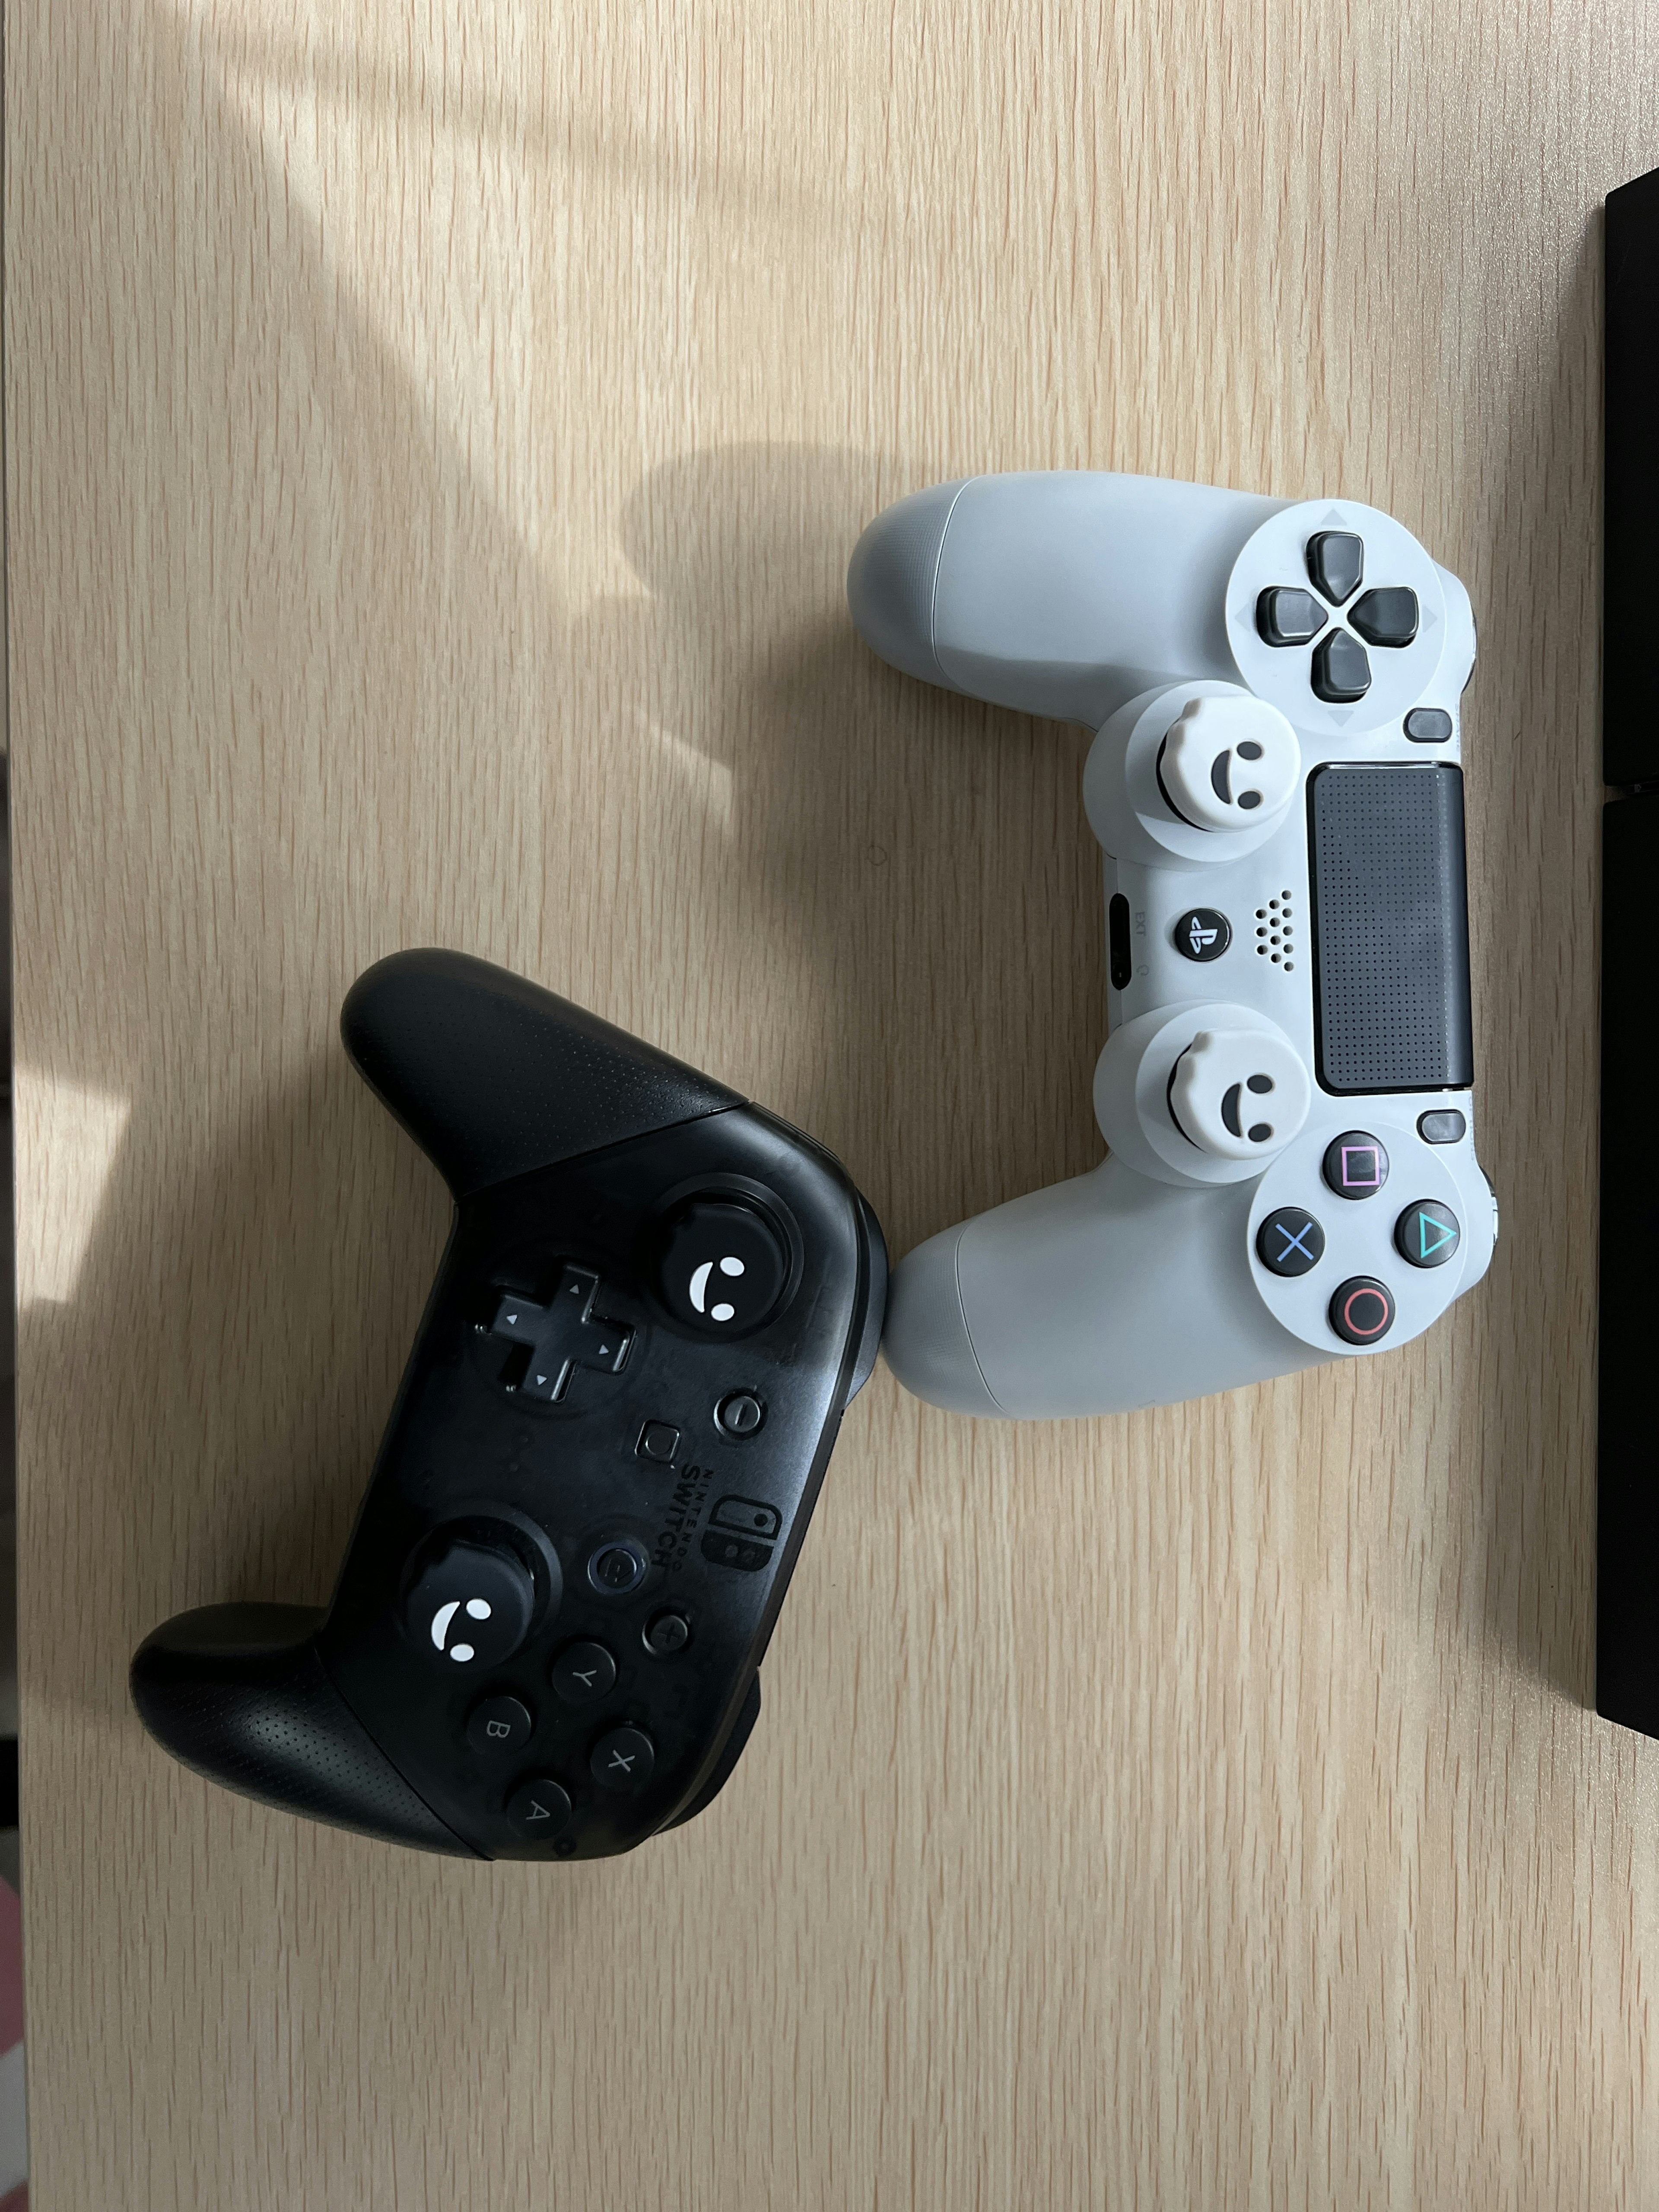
column 494, row 1077
column 238, row 1693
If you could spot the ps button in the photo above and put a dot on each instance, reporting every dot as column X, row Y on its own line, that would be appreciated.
column 1428, row 725
column 498, row 1727
column 1341, row 673
column 658, row 1440
column 666, row 1633
column 583, row 1673
column 1427, row 1234
column 723, row 1268
column 1446, row 1126
column 739, row 1413
column 1361, row 1310
column 1289, row 1241
column 538, row 1810
column 1355, row 1165
column 1203, row 934
column 1287, row 618
column 1386, row 617
column 622, row 1759
column 1336, row 563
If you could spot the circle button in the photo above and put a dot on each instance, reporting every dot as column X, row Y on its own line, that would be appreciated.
column 1356, row 1165
column 1289, row 1241
column 622, row 1759
column 666, row 1633
column 1203, row 934
column 1427, row 1233
column 499, row 1727
column 538, row 1810
column 739, row 1414
column 1361, row 1310
column 583, row 1673
column 723, row 1268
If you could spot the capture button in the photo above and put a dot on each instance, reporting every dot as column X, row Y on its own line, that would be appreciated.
column 1356, row 1165
column 622, row 1759
column 1203, row 934
column 499, row 1726
column 538, row 1810
column 1289, row 1241
column 723, row 1268
column 1445, row 1125
column 1427, row 1234
column 658, row 1440
column 583, row 1673
column 1361, row 1310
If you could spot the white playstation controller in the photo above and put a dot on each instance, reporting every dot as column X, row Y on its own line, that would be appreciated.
column 1286, row 1088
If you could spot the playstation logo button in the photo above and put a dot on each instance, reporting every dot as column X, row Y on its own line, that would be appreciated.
column 1203, row 934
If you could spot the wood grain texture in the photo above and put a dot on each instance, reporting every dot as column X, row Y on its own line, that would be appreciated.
column 435, row 436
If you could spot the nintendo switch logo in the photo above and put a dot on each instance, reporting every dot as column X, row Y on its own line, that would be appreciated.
column 741, row 1533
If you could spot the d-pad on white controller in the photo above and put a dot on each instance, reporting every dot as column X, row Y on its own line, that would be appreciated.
column 1276, row 785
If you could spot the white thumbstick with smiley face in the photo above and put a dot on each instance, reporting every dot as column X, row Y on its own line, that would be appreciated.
column 1230, row 763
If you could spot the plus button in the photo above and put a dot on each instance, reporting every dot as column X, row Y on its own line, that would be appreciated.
column 564, row 1334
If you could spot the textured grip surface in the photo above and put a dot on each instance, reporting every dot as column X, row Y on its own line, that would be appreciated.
column 238, row 1693
column 494, row 1077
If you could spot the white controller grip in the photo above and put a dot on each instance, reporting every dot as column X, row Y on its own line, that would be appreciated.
column 1096, row 1296
column 1062, row 594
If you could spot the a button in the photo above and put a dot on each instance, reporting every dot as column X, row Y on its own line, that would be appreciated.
column 1203, row 934
column 1288, row 617
column 1341, row 673
column 1290, row 1241
column 723, row 1268
column 739, row 1413
column 1445, row 1125
column 1356, row 1165
column 666, row 1633
column 1336, row 563
column 1361, row 1310
column 564, row 1334
column 1386, row 617
column 618, row 1567
column 539, row 1810
column 1427, row 1233
column 499, row 1727
column 583, row 1673
column 622, row 1759
column 470, row 1604
column 1428, row 725
column 659, row 1442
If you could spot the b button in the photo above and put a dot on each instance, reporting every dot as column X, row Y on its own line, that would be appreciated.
column 498, row 1726
column 1361, row 1310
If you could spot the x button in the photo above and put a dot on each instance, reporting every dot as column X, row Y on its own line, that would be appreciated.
column 622, row 1759
column 1289, row 1241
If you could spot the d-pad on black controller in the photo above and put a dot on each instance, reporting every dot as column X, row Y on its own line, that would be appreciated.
column 545, row 1640
column 1344, row 624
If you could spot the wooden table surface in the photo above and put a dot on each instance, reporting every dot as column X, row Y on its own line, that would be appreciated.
column 435, row 437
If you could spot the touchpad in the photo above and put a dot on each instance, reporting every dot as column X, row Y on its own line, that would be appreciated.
column 1391, row 932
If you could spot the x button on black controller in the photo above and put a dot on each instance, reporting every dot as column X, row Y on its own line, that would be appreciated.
column 622, row 1759
column 564, row 1334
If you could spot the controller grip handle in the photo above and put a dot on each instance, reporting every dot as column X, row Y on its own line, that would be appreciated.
column 494, row 1077
column 238, row 1693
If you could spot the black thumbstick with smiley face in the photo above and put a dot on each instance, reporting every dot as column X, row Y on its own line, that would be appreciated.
column 723, row 1266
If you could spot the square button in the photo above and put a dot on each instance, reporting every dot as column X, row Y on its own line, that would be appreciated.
column 659, row 1442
